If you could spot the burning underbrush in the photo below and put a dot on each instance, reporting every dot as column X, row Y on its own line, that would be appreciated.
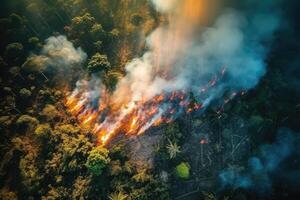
column 107, row 119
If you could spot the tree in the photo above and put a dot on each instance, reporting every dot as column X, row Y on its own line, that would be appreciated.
column 182, row 171
column 209, row 196
column 43, row 131
column 256, row 120
column 81, row 25
column 115, row 167
column 173, row 149
column 45, row 96
column 24, row 93
column 5, row 121
column 142, row 176
column 98, row 45
column 29, row 171
column 16, row 21
column 27, row 121
column 34, row 43
column 81, row 187
column 14, row 53
column 50, row 113
column 5, row 194
column 118, row 196
column 85, row 28
column 173, row 133
column 56, row 193
column 98, row 63
column 97, row 30
column 111, row 79
column 15, row 72
column 97, row 160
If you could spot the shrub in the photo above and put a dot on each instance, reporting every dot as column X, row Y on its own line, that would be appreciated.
column 97, row 160
column 182, row 171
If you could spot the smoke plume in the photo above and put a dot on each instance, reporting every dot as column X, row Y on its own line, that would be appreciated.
column 57, row 53
column 61, row 52
column 270, row 161
column 182, row 57
column 164, row 5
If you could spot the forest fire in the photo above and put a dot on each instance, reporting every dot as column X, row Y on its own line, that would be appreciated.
column 177, row 75
column 138, row 104
column 107, row 120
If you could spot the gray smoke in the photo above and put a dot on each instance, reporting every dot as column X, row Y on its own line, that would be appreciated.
column 61, row 52
column 269, row 163
column 57, row 54
column 237, row 40
column 164, row 5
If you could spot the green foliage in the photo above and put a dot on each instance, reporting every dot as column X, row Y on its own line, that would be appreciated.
column 5, row 121
column 256, row 120
column 97, row 160
column 128, row 167
column 152, row 189
column 14, row 52
column 115, row 33
column 85, row 28
column 98, row 63
column 50, row 112
column 27, row 121
column 45, row 96
column 173, row 133
column 68, row 129
column 56, row 193
column 16, row 21
column 115, row 167
column 43, row 131
column 81, row 24
column 34, row 43
column 5, row 194
column 29, row 172
column 81, row 187
column 25, row 93
column 111, row 79
column 15, row 71
column 98, row 45
column 142, row 176
column 182, row 171
column 209, row 196
column 118, row 196
column 173, row 149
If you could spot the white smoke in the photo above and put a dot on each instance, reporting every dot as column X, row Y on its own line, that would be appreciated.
column 164, row 5
column 61, row 52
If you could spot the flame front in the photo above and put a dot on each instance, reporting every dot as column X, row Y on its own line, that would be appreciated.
column 108, row 120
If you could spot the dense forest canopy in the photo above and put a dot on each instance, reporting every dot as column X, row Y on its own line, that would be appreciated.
column 149, row 99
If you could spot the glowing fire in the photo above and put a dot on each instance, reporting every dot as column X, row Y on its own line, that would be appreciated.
column 106, row 120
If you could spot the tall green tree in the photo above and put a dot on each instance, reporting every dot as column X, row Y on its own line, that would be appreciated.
column 97, row 160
